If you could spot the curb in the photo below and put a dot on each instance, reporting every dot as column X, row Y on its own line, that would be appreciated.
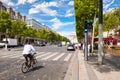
column 72, row 72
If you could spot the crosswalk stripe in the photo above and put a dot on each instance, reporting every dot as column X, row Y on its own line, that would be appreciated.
column 54, row 56
column 58, row 57
column 9, row 55
column 36, row 54
column 43, row 55
column 49, row 56
column 67, row 57
column 16, row 56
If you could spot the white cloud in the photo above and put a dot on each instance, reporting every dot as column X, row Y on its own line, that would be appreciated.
column 65, row 33
column 25, row 1
column 57, row 23
column 69, row 13
column 107, row 4
column 71, row 3
column 44, row 8
column 8, row 2
column 21, row 2
column 31, row 1
column 11, row 4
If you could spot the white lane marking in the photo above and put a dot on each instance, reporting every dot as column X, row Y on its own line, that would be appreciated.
column 10, row 55
column 58, row 57
column 49, row 56
column 16, row 56
column 43, row 55
column 67, row 57
column 36, row 55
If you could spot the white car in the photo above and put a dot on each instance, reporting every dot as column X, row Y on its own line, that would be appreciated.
column 2, row 44
column 70, row 47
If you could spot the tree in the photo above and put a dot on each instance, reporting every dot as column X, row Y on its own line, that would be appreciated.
column 5, row 22
column 17, row 28
column 84, row 9
column 111, row 20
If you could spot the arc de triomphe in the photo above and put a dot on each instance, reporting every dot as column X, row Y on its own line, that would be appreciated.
column 73, row 37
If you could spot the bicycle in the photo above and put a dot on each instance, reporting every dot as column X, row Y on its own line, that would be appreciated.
column 26, row 66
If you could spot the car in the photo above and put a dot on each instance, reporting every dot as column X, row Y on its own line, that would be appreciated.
column 36, row 44
column 42, row 44
column 59, row 45
column 70, row 47
column 2, row 44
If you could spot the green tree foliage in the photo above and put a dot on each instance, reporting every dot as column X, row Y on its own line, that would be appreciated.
column 50, row 35
column 84, row 9
column 111, row 20
column 5, row 22
column 18, row 28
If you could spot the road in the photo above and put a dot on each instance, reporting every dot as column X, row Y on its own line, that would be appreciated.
column 53, row 64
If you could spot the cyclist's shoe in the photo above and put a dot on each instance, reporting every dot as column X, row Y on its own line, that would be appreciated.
column 33, row 62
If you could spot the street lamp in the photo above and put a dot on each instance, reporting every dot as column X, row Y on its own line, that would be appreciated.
column 100, row 45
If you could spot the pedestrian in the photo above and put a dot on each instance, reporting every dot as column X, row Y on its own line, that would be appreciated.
column 88, row 49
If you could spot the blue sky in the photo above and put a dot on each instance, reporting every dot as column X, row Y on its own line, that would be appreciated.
column 56, row 14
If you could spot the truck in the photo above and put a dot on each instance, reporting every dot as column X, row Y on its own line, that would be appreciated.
column 9, row 41
column 63, row 43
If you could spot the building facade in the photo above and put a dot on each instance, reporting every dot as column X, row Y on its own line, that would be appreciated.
column 13, row 14
column 34, row 24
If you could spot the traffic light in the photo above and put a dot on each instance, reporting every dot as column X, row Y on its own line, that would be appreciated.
column 85, row 26
column 88, row 24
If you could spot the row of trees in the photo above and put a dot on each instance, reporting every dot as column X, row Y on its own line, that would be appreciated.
column 17, row 28
column 111, row 20
column 88, row 9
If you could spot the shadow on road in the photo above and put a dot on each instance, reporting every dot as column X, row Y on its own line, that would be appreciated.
column 35, row 68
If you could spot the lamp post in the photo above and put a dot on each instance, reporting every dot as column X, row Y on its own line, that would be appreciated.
column 86, row 40
column 6, row 39
column 100, row 44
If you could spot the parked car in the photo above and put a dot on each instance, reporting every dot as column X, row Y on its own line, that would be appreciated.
column 2, row 44
column 70, row 47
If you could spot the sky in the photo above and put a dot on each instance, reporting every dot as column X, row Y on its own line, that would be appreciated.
column 56, row 14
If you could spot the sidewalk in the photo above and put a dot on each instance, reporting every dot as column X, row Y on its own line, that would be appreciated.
column 91, row 70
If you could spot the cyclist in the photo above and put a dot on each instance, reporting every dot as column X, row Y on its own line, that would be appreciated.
column 28, row 52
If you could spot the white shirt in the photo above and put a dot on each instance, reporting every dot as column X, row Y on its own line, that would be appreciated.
column 28, row 49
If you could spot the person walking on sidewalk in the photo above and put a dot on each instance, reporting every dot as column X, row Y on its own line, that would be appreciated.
column 89, row 49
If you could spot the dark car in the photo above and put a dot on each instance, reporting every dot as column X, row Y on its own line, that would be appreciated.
column 70, row 47
column 42, row 44
column 36, row 44
column 59, row 45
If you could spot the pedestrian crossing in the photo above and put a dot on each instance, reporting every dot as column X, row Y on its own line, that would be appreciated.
column 41, row 56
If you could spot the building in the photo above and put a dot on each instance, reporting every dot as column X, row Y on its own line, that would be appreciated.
column 13, row 14
column 73, row 38
column 34, row 24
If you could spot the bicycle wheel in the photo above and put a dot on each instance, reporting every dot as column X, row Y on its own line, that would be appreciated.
column 24, row 68
column 35, row 63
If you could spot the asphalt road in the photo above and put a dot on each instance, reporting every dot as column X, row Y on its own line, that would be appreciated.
column 53, row 64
